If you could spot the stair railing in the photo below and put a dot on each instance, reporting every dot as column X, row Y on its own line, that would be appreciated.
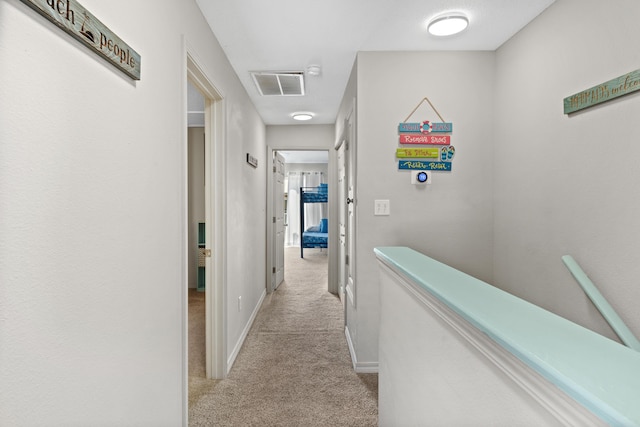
column 601, row 303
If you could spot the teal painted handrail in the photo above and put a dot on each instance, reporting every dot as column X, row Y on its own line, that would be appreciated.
column 597, row 372
column 610, row 315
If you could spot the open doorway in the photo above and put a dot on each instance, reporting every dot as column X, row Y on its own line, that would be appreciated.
column 196, row 226
column 204, row 225
column 303, row 196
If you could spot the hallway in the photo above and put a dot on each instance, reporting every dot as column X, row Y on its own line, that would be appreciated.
column 294, row 368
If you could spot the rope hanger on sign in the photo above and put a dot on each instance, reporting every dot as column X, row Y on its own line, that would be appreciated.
column 418, row 106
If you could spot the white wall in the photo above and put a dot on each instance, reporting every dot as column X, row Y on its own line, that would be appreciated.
column 196, row 198
column 300, row 137
column 451, row 220
column 246, row 224
column 311, row 137
column 92, row 215
column 307, row 167
column 568, row 185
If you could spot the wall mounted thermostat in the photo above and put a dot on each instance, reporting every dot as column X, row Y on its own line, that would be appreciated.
column 420, row 177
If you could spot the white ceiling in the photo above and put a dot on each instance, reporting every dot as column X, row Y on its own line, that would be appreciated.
column 290, row 35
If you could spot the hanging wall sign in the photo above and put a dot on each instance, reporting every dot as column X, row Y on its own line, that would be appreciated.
column 425, row 139
column 425, row 127
column 422, row 133
column 417, row 153
column 604, row 92
column 70, row 16
column 424, row 166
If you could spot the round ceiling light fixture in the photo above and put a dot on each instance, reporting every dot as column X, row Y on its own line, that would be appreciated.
column 302, row 116
column 448, row 25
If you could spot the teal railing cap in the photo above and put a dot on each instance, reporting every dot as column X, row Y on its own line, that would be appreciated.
column 599, row 373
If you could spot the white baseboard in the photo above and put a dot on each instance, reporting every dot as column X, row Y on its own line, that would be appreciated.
column 359, row 367
column 366, row 368
column 245, row 332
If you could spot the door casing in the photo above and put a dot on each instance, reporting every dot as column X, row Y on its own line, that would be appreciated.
column 215, row 195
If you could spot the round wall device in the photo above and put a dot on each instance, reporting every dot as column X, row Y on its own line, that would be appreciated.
column 422, row 177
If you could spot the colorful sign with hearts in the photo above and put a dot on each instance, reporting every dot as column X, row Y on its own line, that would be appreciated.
column 425, row 139
column 424, row 166
column 425, row 127
column 418, row 153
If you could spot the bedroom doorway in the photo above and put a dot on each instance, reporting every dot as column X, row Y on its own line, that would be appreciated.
column 279, row 212
column 209, row 245
column 196, row 226
column 307, row 169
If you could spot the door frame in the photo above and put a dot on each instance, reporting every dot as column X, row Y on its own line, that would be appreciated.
column 332, row 215
column 216, row 239
column 275, row 202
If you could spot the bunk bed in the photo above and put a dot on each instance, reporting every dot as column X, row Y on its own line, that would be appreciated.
column 315, row 236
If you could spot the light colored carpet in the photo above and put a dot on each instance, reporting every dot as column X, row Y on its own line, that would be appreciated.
column 294, row 368
column 198, row 384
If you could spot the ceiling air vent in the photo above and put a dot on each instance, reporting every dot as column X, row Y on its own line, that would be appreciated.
column 279, row 84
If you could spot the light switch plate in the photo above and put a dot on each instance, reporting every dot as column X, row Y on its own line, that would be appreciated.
column 381, row 207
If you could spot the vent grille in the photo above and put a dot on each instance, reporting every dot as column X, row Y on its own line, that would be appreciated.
column 279, row 84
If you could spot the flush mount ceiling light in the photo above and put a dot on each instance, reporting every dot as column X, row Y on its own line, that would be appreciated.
column 302, row 116
column 448, row 25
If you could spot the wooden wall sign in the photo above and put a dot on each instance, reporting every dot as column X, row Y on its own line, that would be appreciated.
column 425, row 139
column 424, row 166
column 425, row 127
column 77, row 21
column 604, row 92
column 418, row 153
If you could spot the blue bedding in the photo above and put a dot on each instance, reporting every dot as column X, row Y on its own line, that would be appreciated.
column 314, row 239
column 315, row 197
column 316, row 236
column 314, row 194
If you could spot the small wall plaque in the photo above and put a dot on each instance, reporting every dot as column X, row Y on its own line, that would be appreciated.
column 252, row 160
column 77, row 21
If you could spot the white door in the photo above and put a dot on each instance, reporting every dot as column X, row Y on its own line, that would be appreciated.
column 347, row 223
column 350, row 220
column 278, row 213
column 342, row 216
